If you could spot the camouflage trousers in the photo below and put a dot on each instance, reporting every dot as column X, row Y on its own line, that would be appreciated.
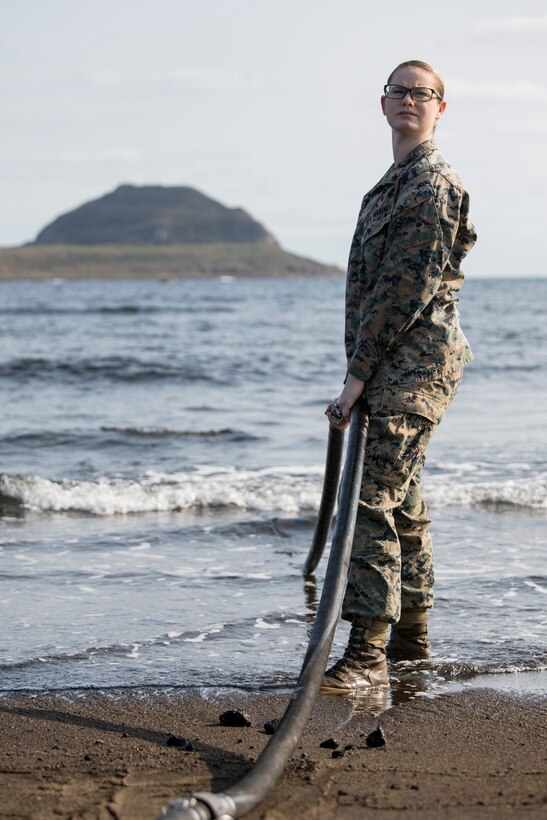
column 392, row 563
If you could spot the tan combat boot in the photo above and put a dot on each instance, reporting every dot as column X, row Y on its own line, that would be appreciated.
column 409, row 641
column 364, row 662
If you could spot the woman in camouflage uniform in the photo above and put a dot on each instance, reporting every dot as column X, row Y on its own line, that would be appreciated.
column 406, row 352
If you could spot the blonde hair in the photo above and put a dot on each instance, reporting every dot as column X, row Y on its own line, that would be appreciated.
column 439, row 82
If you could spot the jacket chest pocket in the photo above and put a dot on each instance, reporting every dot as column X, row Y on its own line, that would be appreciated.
column 374, row 226
column 372, row 253
column 375, row 213
column 370, row 236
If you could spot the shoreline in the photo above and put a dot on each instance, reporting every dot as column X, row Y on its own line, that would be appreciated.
column 118, row 262
column 408, row 680
column 474, row 753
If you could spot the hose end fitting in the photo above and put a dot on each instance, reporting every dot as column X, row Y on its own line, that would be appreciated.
column 201, row 806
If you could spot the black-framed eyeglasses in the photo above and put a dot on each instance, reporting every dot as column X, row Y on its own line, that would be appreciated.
column 419, row 94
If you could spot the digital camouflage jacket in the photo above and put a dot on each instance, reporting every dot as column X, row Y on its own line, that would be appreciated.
column 413, row 230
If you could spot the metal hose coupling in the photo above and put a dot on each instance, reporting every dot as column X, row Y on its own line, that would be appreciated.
column 201, row 806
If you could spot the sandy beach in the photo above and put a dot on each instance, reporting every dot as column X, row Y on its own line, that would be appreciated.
column 464, row 755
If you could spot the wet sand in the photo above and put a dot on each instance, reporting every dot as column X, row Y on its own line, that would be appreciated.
column 473, row 754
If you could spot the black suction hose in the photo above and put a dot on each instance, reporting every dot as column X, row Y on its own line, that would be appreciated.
column 335, row 449
column 251, row 790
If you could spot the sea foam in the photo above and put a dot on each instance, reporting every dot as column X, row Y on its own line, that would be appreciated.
column 277, row 490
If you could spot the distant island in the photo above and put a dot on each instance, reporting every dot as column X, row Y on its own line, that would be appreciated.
column 153, row 215
column 154, row 231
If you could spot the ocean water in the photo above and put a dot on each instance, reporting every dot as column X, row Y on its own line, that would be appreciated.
column 162, row 451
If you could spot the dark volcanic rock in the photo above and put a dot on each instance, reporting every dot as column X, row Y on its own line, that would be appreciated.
column 376, row 739
column 154, row 215
column 180, row 743
column 330, row 743
column 271, row 725
column 233, row 717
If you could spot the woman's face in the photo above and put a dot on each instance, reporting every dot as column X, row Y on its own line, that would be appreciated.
column 407, row 117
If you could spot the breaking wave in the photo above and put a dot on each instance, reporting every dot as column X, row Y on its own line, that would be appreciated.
column 268, row 490
column 527, row 493
column 285, row 490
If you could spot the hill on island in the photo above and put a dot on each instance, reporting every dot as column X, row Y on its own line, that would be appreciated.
column 154, row 232
column 153, row 215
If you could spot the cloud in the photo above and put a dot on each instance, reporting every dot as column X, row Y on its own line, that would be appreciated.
column 520, row 91
column 186, row 79
column 526, row 129
column 208, row 80
column 78, row 157
column 512, row 28
column 91, row 157
column 105, row 78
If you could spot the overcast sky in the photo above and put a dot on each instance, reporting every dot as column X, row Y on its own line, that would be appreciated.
column 272, row 105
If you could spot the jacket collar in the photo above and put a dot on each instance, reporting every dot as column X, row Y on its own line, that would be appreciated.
column 418, row 152
column 395, row 171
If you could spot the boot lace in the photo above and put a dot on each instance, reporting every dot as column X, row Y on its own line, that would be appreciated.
column 357, row 642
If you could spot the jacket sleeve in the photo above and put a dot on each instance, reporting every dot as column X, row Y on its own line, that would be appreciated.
column 407, row 279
